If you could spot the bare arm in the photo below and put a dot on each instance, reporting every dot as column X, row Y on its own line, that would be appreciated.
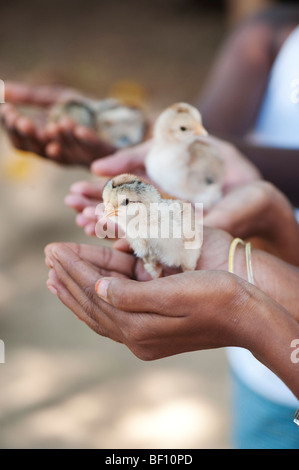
column 272, row 338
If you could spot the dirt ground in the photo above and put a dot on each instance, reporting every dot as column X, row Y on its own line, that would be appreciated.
column 62, row 386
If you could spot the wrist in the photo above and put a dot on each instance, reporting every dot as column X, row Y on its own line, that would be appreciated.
column 243, row 320
column 215, row 250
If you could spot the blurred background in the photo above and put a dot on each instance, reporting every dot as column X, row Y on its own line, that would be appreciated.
column 62, row 386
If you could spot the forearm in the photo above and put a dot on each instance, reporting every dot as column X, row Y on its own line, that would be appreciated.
column 270, row 334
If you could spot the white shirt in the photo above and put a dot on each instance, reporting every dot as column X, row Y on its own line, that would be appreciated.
column 278, row 121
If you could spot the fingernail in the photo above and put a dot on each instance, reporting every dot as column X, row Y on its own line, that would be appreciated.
column 57, row 253
column 54, row 253
column 101, row 287
column 49, row 261
column 52, row 289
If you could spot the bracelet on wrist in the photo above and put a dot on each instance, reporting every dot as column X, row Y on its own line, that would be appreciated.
column 231, row 257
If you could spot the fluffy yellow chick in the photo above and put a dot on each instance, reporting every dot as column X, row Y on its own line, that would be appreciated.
column 182, row 162
column 160, row 231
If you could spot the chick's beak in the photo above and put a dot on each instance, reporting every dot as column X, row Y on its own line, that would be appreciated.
column 110, row 211
column 199, row 129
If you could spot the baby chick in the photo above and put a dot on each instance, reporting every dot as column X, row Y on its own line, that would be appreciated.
column 120, row 125
column 160, row 231
column 181, row 161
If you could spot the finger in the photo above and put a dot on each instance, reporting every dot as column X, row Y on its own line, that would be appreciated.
column 54, row 152
column 9, row 120
column 80, row 289
column 218, row 217
column 56, row 286
column 67, row 142
column 58, row 146
column 89, row 307
column 53, row 281
column 16, row 139
column 6, row 109
column 19, row 92
column 79, row 203
column 64, row 146
column 101, row 256
column 122, row 245
column 16, row 92
column 91, row 141
column 90, row 213
column 81, row 221
column 90, row 229
column 51, row 131
column 9, row 115
column 90, row 189
column 132, row 296
column 26, row 128
column 123, row 161
column 77, row 152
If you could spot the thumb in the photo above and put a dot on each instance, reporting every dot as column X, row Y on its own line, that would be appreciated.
column 123, row 161
column 133, row 296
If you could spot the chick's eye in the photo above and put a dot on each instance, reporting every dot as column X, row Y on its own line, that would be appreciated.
column 125, row 202
column 183, row 128
column 209, row 180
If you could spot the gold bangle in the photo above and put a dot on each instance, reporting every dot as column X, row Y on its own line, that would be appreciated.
column 231, row 257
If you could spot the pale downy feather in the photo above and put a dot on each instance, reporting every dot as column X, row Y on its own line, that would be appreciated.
column 167, row 232
column 183, row 163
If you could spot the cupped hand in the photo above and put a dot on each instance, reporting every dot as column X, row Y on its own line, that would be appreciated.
column 63, row 141
column 260, row 211
column 171, row 315
column 26, row 133
column 178, row 313
column 74, row 144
